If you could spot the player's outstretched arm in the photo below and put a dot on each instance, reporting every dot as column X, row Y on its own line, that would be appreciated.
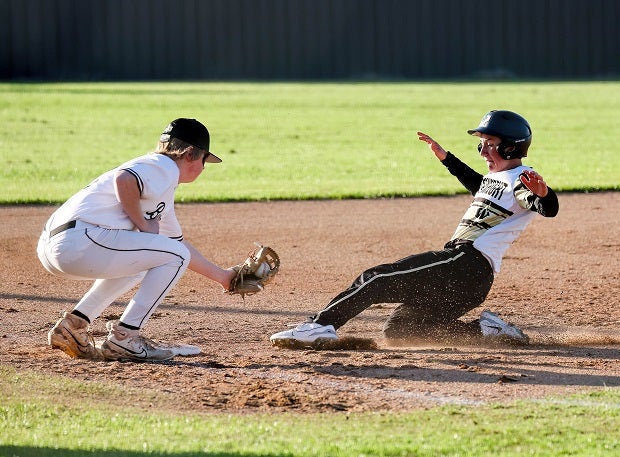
column 470, row 178
column 201, row 265
column 439, row 152
column 545, row 200
column 534, row 182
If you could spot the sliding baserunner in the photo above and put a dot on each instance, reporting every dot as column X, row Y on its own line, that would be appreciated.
column 434, row 289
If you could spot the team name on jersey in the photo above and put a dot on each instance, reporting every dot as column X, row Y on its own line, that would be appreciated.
column 493, row 187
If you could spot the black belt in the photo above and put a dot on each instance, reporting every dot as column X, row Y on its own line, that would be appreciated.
column 62, row 228
column 456, row 243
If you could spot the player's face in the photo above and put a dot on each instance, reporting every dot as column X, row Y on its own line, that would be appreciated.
column 488, row 151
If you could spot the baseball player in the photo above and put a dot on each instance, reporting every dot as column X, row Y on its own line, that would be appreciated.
column 434, row 289
column 122, row 230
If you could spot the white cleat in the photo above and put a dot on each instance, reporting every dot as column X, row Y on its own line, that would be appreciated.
column 307, row 333
column 125, row 344
column 493, row 327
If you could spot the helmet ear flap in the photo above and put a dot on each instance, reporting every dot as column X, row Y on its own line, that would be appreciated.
column 507, row 151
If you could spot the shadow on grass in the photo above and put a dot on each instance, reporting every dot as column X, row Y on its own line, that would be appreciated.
column 32, row 451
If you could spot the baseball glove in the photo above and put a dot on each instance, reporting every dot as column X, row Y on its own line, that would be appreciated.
column 255, row 272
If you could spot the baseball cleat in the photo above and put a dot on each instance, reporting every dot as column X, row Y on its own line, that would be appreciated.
column 127, row 344
column 71, row 335
column 493, row 327
column 304, row 334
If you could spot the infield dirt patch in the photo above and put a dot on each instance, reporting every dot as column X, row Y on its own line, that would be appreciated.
column 560, row 282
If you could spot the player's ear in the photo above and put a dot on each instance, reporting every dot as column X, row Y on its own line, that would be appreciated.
column 188, row 154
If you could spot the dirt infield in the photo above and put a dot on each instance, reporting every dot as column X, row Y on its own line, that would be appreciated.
column 560, row 282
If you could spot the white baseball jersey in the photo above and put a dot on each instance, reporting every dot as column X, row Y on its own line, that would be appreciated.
column 104, row 245
column 500, row 211
column 157, row 178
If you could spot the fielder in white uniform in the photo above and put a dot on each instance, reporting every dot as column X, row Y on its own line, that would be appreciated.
column 122, row 230
column 434, row 289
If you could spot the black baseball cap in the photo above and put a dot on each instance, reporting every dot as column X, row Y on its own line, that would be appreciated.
column 191, row 131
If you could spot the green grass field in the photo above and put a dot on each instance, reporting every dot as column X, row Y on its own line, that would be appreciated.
column 297, row 141
column 33, row 422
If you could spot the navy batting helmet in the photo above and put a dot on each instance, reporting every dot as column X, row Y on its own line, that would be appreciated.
column 513, row 129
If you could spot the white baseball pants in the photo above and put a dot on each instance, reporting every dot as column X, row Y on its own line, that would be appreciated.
column 117, row 260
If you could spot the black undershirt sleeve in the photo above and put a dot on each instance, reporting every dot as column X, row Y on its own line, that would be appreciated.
column 548, row 205
column 469, row 177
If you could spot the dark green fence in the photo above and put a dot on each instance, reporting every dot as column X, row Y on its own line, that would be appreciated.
column 308, row 39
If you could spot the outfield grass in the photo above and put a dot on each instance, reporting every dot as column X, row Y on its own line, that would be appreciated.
column 297, row 141
column 57, row 416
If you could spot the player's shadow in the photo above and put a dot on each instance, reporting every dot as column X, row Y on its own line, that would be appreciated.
column 224, row 308
column 486, row 369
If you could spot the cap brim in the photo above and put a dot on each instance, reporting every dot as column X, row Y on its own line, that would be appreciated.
column 212, row 158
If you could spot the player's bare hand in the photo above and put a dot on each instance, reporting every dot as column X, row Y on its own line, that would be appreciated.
column 439, row 152
column 229, row 275
column 534, row 182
